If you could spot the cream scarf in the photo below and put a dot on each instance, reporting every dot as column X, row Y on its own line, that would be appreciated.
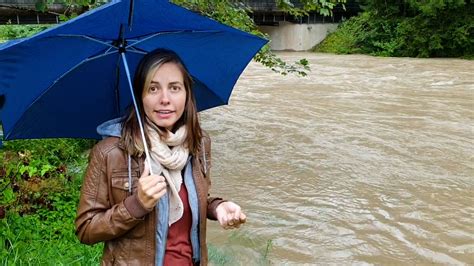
column 168, row 158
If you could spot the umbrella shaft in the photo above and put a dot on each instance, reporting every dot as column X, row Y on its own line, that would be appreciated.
column 142, row 131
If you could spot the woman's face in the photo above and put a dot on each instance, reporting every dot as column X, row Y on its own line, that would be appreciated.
column 165, row 98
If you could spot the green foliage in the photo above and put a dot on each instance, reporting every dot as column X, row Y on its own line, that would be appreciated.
column 434, row 29
column 343, row 40
column 450, row 33
column 432, row 8
column 39, row 192
column 34, row 171
column 9, row 31
column 73, row 7
column 303, row 7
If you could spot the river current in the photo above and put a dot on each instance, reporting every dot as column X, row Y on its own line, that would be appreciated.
column 365, row 161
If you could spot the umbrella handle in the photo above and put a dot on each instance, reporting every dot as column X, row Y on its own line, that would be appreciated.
column 142, row 131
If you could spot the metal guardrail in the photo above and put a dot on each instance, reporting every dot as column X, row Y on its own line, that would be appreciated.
column 266, row 12
column 267, row 5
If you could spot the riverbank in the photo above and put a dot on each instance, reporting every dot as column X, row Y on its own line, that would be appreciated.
column 446, row 31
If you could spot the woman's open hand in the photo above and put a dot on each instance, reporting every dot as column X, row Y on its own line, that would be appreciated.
column 230, row 215
column 150, row 188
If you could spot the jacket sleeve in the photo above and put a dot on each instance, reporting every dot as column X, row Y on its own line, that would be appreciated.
column 96, row 219
column 205, row 158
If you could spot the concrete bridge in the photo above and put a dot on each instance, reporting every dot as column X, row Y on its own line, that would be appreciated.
column 286, row 32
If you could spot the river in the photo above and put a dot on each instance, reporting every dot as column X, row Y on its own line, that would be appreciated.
column 364, row 161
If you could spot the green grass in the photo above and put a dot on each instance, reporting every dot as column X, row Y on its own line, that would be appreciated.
column 39, row 191
column 46, row 237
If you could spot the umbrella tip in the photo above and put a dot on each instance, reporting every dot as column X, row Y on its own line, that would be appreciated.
column 2, row 101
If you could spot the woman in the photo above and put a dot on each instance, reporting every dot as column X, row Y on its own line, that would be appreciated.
column 158, row 218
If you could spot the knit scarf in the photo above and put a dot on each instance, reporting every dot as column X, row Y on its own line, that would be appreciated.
column 168, row 157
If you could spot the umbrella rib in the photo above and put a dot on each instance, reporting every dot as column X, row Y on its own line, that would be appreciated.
column 137, row 51
column 81, row 63
column 110, row 48
column 165, row 33
column 88, row 38
column 98, row 56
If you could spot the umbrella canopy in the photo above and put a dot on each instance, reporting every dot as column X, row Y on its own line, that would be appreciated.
column 65, row 81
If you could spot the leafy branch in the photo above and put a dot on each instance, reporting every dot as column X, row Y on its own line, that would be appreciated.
column 237, row 15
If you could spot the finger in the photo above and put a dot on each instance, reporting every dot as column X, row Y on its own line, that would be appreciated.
column 222, row 218
column 160, row 194
column 222, row 222
column 152, row 190
column 153, row 199
column 243, row 217
column 146, row 170
column 236, row 214
column 151, row 180
column 230, row 219
column 234, row 220
column 147, row 182
column 160, row 178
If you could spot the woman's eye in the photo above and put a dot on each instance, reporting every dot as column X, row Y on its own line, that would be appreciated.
column 175, row 88
column 152, row 89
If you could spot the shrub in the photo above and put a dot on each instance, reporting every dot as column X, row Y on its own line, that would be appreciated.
column 10, row 31
column 39, row 193
column 34, row 170
column 445, row 31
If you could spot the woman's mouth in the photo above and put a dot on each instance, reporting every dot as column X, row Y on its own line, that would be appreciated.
column 164, row 112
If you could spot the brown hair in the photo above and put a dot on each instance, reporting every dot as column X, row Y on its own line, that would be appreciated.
column 131, row 136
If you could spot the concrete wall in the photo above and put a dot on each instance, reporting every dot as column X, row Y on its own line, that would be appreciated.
column 297, row 37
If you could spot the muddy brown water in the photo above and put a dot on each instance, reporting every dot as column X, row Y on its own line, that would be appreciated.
column 364, row 161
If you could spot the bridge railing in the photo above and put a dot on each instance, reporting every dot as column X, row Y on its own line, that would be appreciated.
column 266, row 5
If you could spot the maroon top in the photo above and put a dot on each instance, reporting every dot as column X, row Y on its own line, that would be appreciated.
column 179, row 250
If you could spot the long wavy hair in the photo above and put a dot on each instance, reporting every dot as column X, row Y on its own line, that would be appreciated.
column 131, row 136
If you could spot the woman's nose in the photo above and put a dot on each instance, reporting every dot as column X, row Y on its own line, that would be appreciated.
column 164, row 99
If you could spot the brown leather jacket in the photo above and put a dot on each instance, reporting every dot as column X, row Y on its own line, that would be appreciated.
column 108, row 212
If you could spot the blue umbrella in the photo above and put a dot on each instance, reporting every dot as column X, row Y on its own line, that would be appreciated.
column 65, row 81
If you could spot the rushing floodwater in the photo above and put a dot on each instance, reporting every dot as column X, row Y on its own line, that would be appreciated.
column 365, row 161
